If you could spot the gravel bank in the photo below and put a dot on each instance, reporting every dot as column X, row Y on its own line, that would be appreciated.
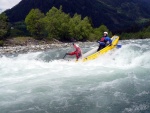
column 35, row 48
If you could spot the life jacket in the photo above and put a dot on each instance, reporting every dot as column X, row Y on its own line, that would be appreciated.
column 102, row 39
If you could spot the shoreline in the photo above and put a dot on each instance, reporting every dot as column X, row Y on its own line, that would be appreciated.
column 34, row 46
column 20, row 45
column 20, row 49
column 30, row 48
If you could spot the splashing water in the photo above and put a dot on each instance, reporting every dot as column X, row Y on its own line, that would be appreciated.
column 41, row 82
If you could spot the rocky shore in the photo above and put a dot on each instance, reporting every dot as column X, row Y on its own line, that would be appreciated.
column 34, row 48
column 29, row 48
column 27, row 44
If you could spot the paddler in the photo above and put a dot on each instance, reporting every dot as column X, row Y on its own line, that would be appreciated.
column 77, row 51
column 104, row 41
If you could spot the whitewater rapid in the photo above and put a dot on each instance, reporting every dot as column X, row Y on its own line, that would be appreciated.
column 42, row 82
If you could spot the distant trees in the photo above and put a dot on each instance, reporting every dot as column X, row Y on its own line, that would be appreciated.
column 18, row 29
column 3, row 25
column 100, row 30
column 59, row 25
column 35, row 23
column 80, row 29
column 145, row 33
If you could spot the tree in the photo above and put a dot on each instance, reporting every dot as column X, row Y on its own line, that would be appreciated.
column 57, row 24
column 100, row 31
column 19, row 29
column 3, row 25
column 80, row 28
column 74, row 29
column 35, row 23
column 85, row 29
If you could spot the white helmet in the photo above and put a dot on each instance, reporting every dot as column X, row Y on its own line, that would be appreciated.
column 106, row 33
column 76, row 45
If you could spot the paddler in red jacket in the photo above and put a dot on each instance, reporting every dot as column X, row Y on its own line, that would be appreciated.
column 77, row 51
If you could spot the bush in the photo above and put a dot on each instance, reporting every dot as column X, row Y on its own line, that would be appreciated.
column 3, row 25
column 1, row 42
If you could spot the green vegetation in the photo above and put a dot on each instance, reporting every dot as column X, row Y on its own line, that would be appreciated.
column 18, row 29
column 61, row 26
column 145, row 33
column 117, row 15
column 35, row 24
column 3, row 26
column 56, row 24
column 1, row 42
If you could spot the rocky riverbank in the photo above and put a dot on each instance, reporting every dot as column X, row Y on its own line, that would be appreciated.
column 29, row 48
column 28, row 44
column 34, row 47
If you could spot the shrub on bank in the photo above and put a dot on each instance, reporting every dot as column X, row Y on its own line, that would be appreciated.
column 1, row 42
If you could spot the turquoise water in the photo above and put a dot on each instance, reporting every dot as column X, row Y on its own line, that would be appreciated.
column 41, row 82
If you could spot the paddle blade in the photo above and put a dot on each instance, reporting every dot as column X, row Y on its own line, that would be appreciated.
column 118, row 46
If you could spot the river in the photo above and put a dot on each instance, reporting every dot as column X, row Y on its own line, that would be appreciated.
column 41, row 82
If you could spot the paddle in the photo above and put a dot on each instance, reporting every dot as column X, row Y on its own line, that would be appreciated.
column 64, row 56
column 118, row 46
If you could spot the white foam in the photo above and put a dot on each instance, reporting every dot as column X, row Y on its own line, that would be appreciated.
column 28, row 76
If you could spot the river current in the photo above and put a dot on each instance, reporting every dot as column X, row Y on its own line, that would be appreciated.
column 41, row 82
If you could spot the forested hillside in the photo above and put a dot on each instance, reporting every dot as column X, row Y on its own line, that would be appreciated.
column 117, row 15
